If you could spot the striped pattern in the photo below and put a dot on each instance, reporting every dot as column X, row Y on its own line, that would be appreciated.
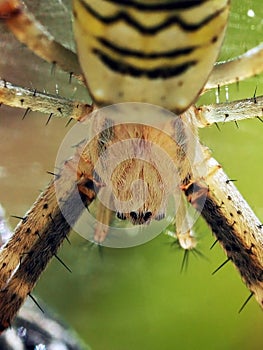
column 34, row 330
column 148, row 51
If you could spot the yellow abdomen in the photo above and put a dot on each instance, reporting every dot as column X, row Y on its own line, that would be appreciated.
column 159, row 52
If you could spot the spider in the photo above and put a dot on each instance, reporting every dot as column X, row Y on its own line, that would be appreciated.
column 212, row 193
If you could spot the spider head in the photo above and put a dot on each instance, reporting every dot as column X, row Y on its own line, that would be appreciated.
column 138, row 192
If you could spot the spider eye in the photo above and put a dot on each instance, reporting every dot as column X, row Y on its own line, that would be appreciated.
column 134, row 215
column 147, row 215
column 120, row 215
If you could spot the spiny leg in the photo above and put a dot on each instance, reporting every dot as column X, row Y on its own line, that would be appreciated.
column 183, row 225
column 38, row 237
column 228, row 112
column 183, row 230
column 233, row 223
column 103, row 219
column 31, row 33
column 205, row 115
column 54, row 105
column 31, row 317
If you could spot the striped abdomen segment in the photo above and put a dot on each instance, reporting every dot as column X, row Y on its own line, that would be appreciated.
column 159, row 52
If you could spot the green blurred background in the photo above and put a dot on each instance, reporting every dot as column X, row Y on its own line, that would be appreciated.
column 137, row 298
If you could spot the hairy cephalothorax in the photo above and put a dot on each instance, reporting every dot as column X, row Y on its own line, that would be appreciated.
column 140, row 164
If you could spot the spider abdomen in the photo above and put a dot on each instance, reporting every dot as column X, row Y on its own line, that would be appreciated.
column 141, row 51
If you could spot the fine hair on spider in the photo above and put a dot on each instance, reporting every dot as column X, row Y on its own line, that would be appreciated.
column 137, row 151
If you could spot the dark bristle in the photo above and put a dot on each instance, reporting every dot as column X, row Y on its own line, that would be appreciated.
column 68, row 122
column 49, row 118
column 27, row 111
column 219, row 267
column 50, row 216
column 245, row 302
column 37, row 304
column 230, row 180
column 53, row 68
column 217, row 126
column 62, row 262
column 185, row 261
column 215, row 242
column 254, row 96
column 18, row 217
column 59, row 109
column 51, row 173
column 67, row 239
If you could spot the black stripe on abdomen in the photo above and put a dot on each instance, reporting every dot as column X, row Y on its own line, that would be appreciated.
column 161, row 6
column 164, row 72
column 146, row 55
column 152, row 30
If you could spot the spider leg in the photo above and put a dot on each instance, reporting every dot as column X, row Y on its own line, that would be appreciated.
column 184, row 224
column 31, row 316
column 237, row 69
column 103, row 219
column 31, row 33
column 54, row 105
column 88, row 157
column 233, row 223
column 38, row 236
column 229, row 112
